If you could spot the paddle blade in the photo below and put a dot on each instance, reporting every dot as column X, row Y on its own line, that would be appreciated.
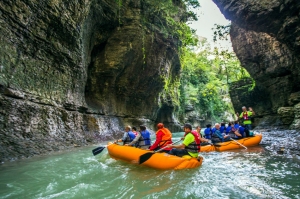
column 98, row 150
column 145, row 157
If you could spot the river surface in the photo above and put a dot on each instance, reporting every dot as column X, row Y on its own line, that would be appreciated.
column 252, row 173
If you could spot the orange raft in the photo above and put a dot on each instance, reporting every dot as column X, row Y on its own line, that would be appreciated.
column 157, row 161
column 225, row 146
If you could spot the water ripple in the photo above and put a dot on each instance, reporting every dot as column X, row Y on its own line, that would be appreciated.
column 254, row 173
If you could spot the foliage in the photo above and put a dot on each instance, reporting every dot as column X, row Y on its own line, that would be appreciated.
column 221, row 32
column 169, row 17
column 205, row 75
column 205, row 80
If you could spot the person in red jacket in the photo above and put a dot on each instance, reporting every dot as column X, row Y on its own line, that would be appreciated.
column 163, row 138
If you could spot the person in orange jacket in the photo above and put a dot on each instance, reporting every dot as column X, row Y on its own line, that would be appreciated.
column 163, row 138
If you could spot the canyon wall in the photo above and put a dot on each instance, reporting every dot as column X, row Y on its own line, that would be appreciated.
column 266, row 38
column 76, row 72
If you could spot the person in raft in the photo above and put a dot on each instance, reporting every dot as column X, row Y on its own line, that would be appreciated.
column 202, row 139
column 208, row 132
column 236, row 125
column 198, row 129
column 142, row 140
column 134, row 131
column 217, row 136
column 127, row 137
column 234, row 131
column 229, row 128
column 163, row 138
column 246, row 116
column 223, row 128
column 190, row 145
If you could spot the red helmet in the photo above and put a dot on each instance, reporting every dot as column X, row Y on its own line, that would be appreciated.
column 160, row 125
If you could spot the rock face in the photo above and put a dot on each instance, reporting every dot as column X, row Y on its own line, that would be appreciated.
column 266, row 38
column 75, row 72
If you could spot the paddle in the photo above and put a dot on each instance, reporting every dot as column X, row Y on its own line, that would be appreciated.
column 98, row 150
column 147, row 156
column 238, row 143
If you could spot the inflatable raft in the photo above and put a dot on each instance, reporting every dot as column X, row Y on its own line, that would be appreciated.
column 157, row 161
column 225, row 146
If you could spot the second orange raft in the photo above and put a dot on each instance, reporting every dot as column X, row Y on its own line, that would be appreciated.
column 225, row 146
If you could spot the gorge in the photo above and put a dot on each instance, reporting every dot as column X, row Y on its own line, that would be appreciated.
column 74, row 73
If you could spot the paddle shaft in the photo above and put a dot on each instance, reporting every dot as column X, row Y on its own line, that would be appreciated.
column 238, row 143
column 167, row 146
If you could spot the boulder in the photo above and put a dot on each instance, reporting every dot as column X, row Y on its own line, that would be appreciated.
column 287, row 114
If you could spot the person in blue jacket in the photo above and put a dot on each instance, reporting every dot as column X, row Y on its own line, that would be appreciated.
column 127, row 137
column 208, row 132
column 229, row 128
column 142, row 139
column 236, row 125
column 217, row 136
column 233, row 130
column 222, row 128
column 243, row 131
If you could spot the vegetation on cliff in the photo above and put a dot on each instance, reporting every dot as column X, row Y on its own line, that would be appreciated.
column 205, row 79
column 203, row 85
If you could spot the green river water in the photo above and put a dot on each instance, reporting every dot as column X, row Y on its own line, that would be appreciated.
column 254, row 173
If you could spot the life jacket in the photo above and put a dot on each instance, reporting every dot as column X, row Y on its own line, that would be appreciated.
column 245, row 115
column 242, row 131
column 231, row 132
column 222, row 129
column 130, row 137
column 195, row 146
column 144, row 140
column 228, row 130
column 166, row 139
column 215, row 137
column 135, row 133
column 236, row 126
column 207, row 133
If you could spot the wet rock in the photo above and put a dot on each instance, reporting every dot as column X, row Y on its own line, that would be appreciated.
column 296, row 122
column 13, row 93
column 294, row 98
column 297, row 111
column 287, row 115
column 74, row 73
column 31, row 129
column 265, row 36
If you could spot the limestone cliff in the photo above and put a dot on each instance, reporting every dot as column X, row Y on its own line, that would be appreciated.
column 72, row 72
column 266, row 38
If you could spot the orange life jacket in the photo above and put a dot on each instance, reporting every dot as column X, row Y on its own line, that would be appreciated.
column 166, row 139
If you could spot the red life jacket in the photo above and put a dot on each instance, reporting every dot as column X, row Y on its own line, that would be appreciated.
column 245, row 115
column 194, row 147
